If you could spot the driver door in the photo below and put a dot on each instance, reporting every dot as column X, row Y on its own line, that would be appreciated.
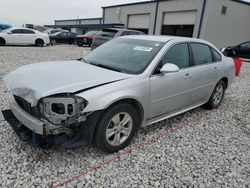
column 14, row 37
column 171, row 92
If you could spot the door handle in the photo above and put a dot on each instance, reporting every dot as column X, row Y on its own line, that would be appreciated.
column 187, row 75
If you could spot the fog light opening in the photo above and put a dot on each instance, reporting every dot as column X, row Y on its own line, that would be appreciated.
column 58, row 108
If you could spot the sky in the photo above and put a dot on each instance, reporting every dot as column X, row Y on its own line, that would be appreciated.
column 42, row 12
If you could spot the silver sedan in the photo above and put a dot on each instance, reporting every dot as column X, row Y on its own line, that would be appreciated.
column 125, row 84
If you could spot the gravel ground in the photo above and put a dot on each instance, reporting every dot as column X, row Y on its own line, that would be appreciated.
column 203, row 148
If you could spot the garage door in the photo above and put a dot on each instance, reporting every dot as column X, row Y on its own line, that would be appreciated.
column 179, row 18
column 139, row 21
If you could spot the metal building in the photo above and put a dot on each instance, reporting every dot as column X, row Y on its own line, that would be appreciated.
column 81, row 26
column 223, row 22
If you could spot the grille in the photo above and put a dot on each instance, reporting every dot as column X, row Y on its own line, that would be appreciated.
column 26, row 106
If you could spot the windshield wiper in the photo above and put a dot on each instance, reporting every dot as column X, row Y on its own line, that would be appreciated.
column 106, row 67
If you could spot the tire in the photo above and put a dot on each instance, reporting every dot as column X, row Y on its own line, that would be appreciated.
column 217, row 95
column 53, row 42
column 39, row 43
column 80, row 43
column 119, row 135
column 2, row 42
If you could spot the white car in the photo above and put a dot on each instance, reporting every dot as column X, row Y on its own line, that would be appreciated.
column 23, row 36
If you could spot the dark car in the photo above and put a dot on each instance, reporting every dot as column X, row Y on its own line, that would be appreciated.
column 4, row 27
column 241, row 50
column 63, row 37
column 107, row 34
column 86, row 39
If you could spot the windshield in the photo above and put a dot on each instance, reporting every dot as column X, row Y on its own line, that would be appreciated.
column 130, row 56
column 91, row 33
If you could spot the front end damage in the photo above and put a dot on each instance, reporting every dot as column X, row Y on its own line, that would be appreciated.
column 55, row 120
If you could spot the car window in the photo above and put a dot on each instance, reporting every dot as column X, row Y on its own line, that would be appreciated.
column 126, row 55
column 71, row 34
column 178, row 55
column 91, row 33
column 17, row 31
column 202, row 54
column 62, row 34
column 216, row 55
column 26, row 31
column 129, row 33
column 245, row 45
column 107, row 33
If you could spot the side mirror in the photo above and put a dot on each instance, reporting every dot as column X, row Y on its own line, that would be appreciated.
column 169, row 68
column 9, row 33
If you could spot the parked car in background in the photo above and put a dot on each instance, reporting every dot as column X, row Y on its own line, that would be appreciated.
column 86, row 39
column 107, row 34
column 52, row 31
column 242, row 50
column 127, row 83
column 4, row 27
column 23, row 36
column 63, row 37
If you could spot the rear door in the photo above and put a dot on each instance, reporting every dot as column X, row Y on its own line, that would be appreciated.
column 28, row 36
column 14, row 37
column 204, row 73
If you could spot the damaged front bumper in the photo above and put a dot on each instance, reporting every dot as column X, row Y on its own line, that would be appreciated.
column 38, row 132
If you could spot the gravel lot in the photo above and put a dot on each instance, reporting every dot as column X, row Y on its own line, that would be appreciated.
column 204, row 148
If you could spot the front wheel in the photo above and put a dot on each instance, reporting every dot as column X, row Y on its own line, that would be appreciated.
column 2, row 42
column 217, row 95
column 116, row 128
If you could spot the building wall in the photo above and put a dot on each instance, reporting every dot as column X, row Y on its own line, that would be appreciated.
column 98, row 21
column 120, row 14
column 178, row 6
column 226, row 30
column 67, row 22
column 78, row 21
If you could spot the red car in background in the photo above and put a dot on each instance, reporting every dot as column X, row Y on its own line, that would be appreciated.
column 86, row 39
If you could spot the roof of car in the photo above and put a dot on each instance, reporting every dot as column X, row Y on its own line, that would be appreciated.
column 119, row 29
column 162, row 38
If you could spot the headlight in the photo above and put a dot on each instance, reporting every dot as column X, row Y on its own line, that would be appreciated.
column 61, row 109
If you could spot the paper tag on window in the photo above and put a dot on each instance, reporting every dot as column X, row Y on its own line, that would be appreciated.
column 143, row 48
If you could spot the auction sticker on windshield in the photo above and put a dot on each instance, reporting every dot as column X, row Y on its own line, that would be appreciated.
column 143, row 48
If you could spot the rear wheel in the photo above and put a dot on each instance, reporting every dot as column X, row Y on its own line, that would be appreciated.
column 53, row 42
column 217, row 95
column 2, row 42
column 116, row 128
column 39, row 43
column 80, row 43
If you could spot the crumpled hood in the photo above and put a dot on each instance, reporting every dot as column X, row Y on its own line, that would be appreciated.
column 35, row 81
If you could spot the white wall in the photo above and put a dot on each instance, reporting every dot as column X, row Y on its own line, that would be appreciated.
column 226, row 30
column 178, row 6
column 120, row 14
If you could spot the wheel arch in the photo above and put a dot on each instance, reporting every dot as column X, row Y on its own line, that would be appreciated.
column 225, row 79
column 1, row 38
column 134, row 102
column 39, row 39
column 90, row 127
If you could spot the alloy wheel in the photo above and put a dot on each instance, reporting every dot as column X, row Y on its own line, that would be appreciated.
column 119, row 129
